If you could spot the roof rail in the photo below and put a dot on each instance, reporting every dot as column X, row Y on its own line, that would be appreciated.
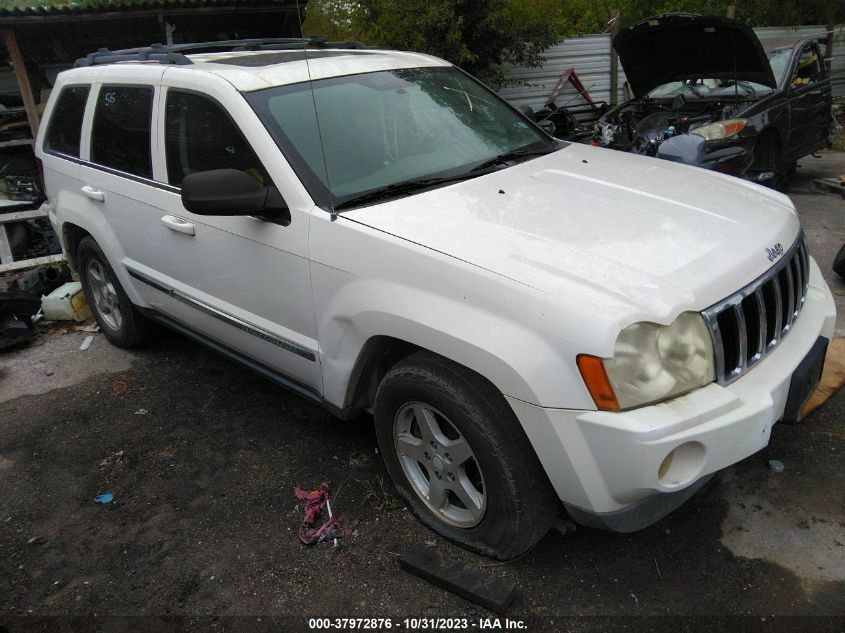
column 175, row 53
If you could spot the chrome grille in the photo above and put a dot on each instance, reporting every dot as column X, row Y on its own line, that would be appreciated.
column 750, row 323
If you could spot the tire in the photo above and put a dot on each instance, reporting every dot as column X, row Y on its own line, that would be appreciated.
column 514, row 503
column 120, row 321
column 767, row 158
column 839, row 262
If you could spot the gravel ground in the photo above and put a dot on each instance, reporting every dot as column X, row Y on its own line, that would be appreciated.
column 203, row 457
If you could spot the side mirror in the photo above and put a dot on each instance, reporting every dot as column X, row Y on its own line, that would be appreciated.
column 232, row 192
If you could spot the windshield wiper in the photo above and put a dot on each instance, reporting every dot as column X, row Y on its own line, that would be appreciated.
column 508, row 157
column 400, row 188
column 412, row 186
column 750, row 91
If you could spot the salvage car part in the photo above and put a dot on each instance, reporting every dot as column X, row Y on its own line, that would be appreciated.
column 16, row 312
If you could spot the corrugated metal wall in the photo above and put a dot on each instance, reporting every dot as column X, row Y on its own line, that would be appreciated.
column 589, row 55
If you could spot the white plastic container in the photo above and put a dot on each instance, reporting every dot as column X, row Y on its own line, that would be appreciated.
column 66, row 303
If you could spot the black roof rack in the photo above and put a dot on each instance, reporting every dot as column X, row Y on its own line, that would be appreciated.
column 176, row 53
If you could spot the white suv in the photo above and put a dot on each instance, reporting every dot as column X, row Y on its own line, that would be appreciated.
column 530, row 321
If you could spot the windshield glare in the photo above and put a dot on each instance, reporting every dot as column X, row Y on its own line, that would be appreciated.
column 695, row 89
column 382, row 128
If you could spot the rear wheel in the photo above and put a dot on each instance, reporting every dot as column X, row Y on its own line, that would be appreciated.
column 121, row 322
column 460, row 459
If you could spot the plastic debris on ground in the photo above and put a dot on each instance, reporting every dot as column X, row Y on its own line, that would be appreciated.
column 86, row 343
column 88, row 326
column 66, row 303
column 311, row 530
column 776, row 465
column 106, row 497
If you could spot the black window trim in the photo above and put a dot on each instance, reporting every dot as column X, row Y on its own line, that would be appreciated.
column 115, row 172
column 204, row 95
column 112, row 170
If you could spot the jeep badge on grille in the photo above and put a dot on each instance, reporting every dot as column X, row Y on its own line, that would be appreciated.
column 774, row 252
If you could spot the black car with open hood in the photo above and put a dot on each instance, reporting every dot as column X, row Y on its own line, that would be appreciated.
column 678, row 47
column 706, row 93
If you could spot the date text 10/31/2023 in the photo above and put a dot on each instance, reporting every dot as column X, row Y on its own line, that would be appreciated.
column 416, row 624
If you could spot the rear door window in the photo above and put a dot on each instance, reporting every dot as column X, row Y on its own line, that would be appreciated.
column 201, row 136
column 120, row 137
column 65, row 128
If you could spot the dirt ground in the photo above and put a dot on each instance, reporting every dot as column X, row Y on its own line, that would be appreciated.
column 203, row 458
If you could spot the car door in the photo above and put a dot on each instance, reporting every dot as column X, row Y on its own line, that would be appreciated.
column 809, row 103
column 241, row 282
column 116, row 187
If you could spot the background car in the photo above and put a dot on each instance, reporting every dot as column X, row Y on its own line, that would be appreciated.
column 706, row 94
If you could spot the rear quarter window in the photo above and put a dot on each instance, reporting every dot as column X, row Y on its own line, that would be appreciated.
column 64, row 130
column 120, row 137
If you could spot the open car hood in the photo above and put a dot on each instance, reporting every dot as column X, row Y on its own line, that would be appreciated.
column 676, row 47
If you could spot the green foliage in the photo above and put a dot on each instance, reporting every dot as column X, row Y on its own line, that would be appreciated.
column 481, row 35
column 477, row 35
column 592, row 15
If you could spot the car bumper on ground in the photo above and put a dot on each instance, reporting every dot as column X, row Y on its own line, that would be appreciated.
column 625, row 470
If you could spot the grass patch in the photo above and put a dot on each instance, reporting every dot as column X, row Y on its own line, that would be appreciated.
column 379, row 496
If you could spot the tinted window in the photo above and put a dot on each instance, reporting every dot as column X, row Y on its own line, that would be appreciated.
column 121, row 134
column 66, row 121
column 200, row 136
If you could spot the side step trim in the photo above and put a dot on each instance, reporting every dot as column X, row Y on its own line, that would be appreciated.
column 271, row 374
column 249, row 328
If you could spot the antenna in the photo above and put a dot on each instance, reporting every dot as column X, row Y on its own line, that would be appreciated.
column 316, row 112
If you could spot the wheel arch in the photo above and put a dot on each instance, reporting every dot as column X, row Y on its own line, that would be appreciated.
column 72, row 235
column 378, row 354
column 370, row 325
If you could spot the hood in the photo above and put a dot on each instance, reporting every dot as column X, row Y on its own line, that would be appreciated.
column 677, row 47
column 602, row 229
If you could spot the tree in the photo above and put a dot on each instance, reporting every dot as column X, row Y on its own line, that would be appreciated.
column 482, row 35
column 477, row 35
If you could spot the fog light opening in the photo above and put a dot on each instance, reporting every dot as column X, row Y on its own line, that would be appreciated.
column 665, row 465
column 682, row 465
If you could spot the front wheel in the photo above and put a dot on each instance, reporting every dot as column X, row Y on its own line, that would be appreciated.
column 460, row 459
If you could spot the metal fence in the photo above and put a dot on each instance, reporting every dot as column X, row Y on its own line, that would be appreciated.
column 589, row 55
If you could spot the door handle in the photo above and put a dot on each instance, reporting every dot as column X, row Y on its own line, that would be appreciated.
column 178, row 224
column 94, row 193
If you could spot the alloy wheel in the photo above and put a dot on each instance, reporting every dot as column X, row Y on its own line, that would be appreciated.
column 439, row 464
column 106, row 300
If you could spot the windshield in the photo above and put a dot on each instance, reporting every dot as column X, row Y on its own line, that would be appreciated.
column 698, row 88
column 383, row 128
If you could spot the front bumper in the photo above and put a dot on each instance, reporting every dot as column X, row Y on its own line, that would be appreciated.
column 603, row 464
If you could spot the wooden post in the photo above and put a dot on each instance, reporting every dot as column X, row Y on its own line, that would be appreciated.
column 731, row 11
column 614, row 58
column 23, row 80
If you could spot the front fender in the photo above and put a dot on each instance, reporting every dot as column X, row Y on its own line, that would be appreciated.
column 507, row 332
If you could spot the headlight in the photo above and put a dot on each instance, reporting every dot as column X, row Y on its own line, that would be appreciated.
column 651, row 363
column 720, row 130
